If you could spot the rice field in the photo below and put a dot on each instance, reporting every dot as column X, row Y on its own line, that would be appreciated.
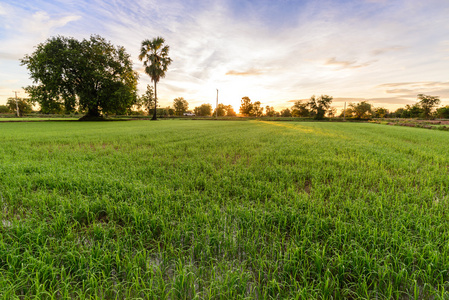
column 182, row 209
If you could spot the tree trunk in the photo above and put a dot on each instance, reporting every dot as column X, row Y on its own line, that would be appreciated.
column 93, row 112
column 155, row 103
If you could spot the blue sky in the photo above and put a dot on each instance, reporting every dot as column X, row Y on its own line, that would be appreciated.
column 383, row 51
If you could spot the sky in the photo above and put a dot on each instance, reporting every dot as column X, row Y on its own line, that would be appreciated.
column 273, row 51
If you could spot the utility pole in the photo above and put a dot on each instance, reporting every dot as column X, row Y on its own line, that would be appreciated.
column 344, row 113
column 17, row 105
column 216, row 107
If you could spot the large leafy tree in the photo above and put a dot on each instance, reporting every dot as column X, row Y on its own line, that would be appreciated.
column 154, row 55
column 91, row 74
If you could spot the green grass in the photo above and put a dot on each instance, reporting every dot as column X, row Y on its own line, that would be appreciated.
column 223, row 210
column 22, row 119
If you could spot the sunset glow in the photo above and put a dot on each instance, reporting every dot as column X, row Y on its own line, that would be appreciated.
column 274, row 52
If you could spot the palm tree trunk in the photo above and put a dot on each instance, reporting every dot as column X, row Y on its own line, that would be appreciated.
column 155, row 102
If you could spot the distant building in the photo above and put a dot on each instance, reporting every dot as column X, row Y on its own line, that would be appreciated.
column 189, row 114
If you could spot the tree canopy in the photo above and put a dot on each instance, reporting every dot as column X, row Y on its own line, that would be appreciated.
column 4, row 109
column 23, row 105
column 92, row 75
column 300, row 109
column 246, row 106
column 286, row 113
column 224, row 110
column 147, row 100
column 257, row 109
column 319, row 105
column 220, row 110
column 180, row 105
column 204, row 110
column 443, row 112
column 361, row 110
column 427, row 104
column 269, row 111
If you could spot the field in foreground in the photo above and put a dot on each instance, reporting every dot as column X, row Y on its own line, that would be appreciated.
column 228, row 210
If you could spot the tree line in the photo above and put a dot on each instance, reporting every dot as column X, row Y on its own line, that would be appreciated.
column 320, row 107
column 426, row 107
column 315, row 107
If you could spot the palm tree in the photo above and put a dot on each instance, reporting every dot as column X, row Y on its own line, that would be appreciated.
column 155, row 59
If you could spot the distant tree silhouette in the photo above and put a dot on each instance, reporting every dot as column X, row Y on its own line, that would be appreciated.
column 319, row 106
column 180, row 105
column 147, row 100
column 246, row 106
column 257, row 110
column 286, row 113
column 427, row 104
column 230, row 112
column 24, row 105
column 204, row 110
column 220, row 110
column 300, row 109
column 361, row 110
column 269, row 111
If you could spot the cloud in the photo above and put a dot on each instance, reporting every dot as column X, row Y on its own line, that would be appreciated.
column 9, row 56
column 390, row 100
column 348, row 99
column 416, row 84
column 395, row 84
column 250, row 72
column 41, row 22
column 399, row 91
column 293, row 101
column 2, row 10
column 24, row 29
column 381, row 51
column 346, row 64
column 411, row 89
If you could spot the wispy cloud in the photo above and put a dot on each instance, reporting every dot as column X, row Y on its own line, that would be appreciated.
column 384, row 50
column 250, row 72
column 417, row 84
column 412, row 89
column 399, row 91
column 346, row 64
